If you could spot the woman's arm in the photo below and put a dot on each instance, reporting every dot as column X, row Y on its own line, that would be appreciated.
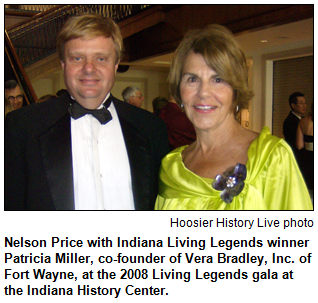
column 300, row 136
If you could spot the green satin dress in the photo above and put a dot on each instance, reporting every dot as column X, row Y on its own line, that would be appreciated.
column 273, row 181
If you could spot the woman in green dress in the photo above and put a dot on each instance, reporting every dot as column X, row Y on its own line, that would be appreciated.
column 228, row 167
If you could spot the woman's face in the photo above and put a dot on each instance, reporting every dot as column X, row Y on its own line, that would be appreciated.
column 206, row 97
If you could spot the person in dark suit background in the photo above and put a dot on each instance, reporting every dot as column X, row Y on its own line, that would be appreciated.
column 85, row 150
column 297, row 104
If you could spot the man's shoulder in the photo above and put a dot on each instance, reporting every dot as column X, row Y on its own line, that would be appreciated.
column 291, row 118
column 143, row 124
column 137, row 116
column 38, row 113
column 288, row 116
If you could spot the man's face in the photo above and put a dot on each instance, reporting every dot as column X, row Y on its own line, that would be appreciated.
column 15, row 97
column 137, row 99
column 300, row 107
column 89, row 69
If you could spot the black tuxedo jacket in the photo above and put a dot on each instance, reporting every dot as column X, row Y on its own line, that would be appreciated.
column 38, row 155
column 290, row 128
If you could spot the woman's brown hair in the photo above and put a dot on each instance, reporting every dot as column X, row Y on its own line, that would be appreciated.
column 217, row 45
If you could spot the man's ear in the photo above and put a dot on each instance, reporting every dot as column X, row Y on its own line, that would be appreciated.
column 293, row 105
column 62, row 64
column 116, row 67
column 131, row 101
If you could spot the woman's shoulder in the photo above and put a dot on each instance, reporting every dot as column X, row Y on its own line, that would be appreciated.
column 264, row 145
column 268, row 143
column 267, row 151
column 304, row 121
column 265, row 138
column 306, row 124
column 174, row 155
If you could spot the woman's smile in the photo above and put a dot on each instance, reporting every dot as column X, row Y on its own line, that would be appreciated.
column 204, row 108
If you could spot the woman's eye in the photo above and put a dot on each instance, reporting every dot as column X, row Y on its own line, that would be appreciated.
column 218, row 80
column 192, row 79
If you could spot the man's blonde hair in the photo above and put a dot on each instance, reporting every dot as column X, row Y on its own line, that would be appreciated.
column 90, row 26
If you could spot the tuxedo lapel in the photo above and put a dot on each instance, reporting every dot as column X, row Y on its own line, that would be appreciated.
column 139, row 160
column 55, row 144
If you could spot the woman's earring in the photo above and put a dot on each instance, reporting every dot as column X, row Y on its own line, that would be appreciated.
column 181, row 105
column 237, row 108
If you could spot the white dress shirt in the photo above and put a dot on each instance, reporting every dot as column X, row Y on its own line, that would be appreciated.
column 101, row 170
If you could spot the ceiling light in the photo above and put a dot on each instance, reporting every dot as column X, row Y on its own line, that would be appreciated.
column 264, row 41
column 162, row 62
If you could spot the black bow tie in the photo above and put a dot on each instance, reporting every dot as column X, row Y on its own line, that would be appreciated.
column 103, row 115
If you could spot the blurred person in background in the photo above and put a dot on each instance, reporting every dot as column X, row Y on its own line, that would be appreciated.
column 305, row 142
column 298, row 107
column 46, row 97
column 7, row 106
column 13, row 92
column 158, row 103
column 179, row 127
column 133, row 95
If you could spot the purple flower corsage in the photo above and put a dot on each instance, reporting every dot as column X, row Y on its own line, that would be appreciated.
column 231, row 183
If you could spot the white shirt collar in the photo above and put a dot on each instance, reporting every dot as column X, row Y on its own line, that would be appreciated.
column 299, row 117
column 101, row 105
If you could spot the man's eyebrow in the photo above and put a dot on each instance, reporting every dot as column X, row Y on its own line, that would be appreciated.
column 104, row 53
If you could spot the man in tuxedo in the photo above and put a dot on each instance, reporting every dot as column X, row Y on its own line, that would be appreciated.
column 85, row 150
column 297, row 104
